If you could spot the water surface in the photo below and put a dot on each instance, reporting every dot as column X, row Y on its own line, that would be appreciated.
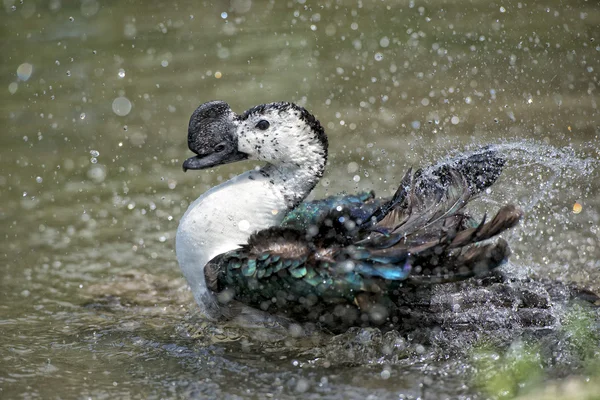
column 96, row 99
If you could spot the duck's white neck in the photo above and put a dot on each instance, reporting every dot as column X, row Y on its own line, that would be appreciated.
column 224, row 217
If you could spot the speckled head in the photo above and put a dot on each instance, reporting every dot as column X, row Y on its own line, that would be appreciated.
column 288, row 108
column 282, row 134
column 212, row 136
column 277, row 133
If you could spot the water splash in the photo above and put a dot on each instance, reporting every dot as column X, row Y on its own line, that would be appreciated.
column 549, row 183
column 539, row 168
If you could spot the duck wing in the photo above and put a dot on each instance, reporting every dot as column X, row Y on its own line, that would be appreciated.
column 356, row 251
column 426, row 219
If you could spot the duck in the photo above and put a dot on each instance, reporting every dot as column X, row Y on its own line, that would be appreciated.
column 254, row 249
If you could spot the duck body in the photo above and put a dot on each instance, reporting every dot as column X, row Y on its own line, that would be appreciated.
column 251, row 243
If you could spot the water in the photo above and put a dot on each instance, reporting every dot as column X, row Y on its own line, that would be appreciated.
column 94, row 114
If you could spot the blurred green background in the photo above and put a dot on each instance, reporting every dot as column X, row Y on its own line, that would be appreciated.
column 96, row 96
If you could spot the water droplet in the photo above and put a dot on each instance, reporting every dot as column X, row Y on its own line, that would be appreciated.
column 129, row 30
column 24, row 71
column 502, row 9
column 454, row 120
column 39, row 179
column 71, row 19
column 224, row 15
column 94, row 153
column 223, row 53
column 97, row 173
column 82, row 116
column 352, row 167
column 89, row 8
column 121, row 106
column 302, row 385
column 244, row 225
column 121, row 73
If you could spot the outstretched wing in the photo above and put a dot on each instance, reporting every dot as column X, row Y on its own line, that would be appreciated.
column 343, row 250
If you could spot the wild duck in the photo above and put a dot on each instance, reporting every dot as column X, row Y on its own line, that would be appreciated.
column 253, row 246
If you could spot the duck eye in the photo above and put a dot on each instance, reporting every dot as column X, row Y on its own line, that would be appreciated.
column 263, row 125
column 219, row 148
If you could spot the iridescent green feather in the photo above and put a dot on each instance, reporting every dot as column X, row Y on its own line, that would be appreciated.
column 362, row 205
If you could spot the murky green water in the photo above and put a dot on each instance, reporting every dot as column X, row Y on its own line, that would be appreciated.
column 94, row 108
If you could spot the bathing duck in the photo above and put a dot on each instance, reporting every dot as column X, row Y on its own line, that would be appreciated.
column 253, row 246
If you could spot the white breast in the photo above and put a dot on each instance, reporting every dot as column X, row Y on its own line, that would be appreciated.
column 221, row 220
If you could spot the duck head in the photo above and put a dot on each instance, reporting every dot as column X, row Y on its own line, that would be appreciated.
column 212, row 136
column 277, row 133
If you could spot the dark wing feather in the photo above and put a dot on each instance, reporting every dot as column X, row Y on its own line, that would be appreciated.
column 281, row 258
column 345, row 251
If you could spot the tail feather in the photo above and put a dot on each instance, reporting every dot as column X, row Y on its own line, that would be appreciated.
column 507, row 217
column 475, row 261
